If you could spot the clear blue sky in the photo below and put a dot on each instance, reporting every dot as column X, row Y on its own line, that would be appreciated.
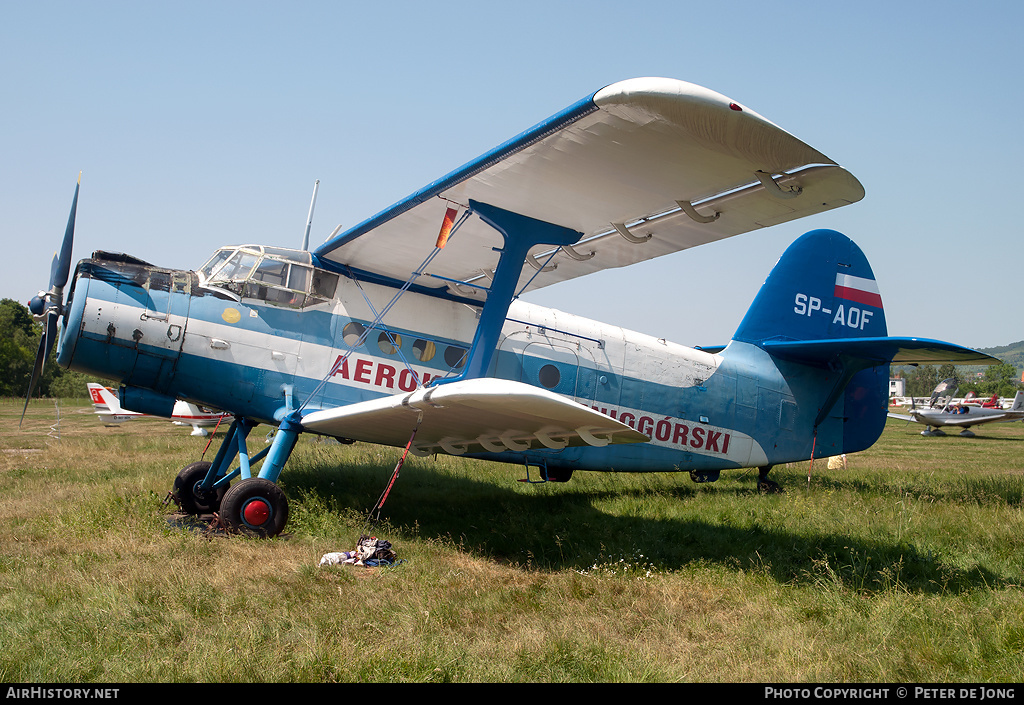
column 198, row 124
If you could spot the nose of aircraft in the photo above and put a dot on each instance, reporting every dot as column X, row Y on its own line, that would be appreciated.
column 126, row 320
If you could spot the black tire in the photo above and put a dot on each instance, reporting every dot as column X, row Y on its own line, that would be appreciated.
column 255, row 506
column 193, row 499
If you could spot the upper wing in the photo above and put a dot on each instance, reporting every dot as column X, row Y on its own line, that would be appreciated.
column 636, row 168
column 475, row 416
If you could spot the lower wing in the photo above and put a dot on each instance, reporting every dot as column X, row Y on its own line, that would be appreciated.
column 473, row 416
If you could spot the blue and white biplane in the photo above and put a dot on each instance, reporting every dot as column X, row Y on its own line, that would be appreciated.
column 408, row 330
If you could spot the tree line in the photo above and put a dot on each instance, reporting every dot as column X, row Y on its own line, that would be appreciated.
column 1002, row 379
column 19, row 343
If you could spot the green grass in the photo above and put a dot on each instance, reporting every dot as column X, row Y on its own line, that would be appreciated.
column 905, row 566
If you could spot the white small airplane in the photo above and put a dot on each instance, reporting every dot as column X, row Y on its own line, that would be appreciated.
column 109, row 409
column 942, row 411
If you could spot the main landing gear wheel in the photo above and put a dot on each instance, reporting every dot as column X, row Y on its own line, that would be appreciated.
column 192, row 498
column 255, row 506
column 766, row 486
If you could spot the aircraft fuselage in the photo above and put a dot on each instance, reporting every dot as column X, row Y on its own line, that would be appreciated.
column 164, row 335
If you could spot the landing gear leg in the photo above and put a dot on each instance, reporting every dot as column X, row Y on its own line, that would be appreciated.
column 764, row 485
column 253, row 505
column 256, row 505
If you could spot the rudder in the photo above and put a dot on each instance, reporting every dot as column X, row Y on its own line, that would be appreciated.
column 821, row 288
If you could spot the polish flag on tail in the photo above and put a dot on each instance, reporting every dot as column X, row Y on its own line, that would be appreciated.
column 858, row 289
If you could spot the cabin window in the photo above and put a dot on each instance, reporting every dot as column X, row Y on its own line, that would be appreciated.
column 549, row 376
column 219, row 257
column 272, row 272
column 275, row 275
column 455, row 357
column 389, row 343
column 352, row 332
column 424, row 350
column 324, row 284
column 298, row 277
column 238, row 267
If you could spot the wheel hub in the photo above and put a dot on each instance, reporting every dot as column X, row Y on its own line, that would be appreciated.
column 256, row 512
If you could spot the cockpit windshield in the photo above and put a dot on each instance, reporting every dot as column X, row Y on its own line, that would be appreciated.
column 276, row 275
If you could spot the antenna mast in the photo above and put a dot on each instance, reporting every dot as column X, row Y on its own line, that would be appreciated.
column 309, row 220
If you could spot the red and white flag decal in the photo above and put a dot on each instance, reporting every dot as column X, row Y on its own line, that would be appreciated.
column 857, row 289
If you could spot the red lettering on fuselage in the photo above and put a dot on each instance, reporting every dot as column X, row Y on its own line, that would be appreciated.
column 697, row 437
column 385, row 376
column 672, row 432
column 362, row 371
column 379, row 374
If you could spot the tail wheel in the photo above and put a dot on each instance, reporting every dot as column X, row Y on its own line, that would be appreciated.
column 255, row 506
column 193, row 498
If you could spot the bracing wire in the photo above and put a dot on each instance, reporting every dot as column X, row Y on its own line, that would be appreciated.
column 379, row 317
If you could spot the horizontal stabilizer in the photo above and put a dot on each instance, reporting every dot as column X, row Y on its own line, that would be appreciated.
column 886, row 350
column 473, row 416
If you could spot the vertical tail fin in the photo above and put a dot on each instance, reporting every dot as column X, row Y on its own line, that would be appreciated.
column 1018, row 402
column 821, row 288
column 819, row 317
column 102, row 398
column 105, row 403
column 820, row 307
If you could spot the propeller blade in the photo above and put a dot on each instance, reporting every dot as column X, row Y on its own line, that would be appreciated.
column 45, row 343
column 52, row 302
column 61, row 268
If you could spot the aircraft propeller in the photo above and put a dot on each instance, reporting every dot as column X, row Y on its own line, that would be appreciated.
column 49, row 305
column 913, row 410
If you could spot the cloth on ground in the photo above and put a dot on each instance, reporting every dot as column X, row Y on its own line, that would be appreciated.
column 370, row 551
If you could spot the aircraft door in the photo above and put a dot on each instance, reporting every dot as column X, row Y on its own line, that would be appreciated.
column 578, row 369
column 551, row 366
column 160, row 330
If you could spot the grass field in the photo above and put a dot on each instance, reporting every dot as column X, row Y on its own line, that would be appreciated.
column 906, row 566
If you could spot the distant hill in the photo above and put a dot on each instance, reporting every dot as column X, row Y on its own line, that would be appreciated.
column 1012, row 354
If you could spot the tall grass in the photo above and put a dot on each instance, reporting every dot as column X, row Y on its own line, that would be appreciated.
column 905, row 566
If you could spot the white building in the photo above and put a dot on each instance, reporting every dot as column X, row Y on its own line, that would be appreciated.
column 897, row 387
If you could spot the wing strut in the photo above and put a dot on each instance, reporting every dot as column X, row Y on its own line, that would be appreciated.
column 520, row 233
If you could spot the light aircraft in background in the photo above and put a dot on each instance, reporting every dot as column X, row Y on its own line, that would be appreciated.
column 108, row 408
column 942, row 411
column 992, row 402
column 408, row 330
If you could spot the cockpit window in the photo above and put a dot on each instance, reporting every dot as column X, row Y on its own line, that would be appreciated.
column 272, row 274
column 219, row 257
column 238, row 267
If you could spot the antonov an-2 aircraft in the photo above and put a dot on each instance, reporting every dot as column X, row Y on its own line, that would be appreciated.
column 408, row 330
